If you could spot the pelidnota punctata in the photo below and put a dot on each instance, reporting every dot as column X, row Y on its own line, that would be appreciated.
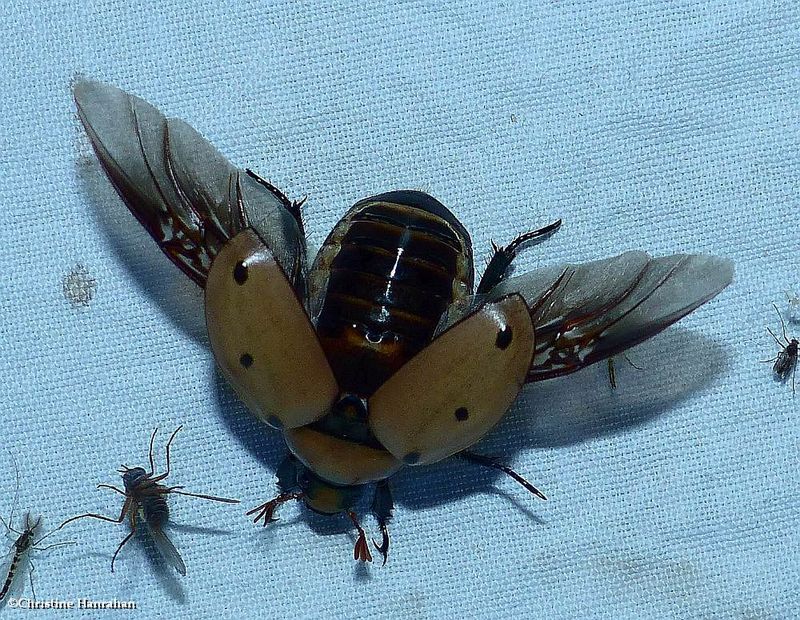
column 380, row 356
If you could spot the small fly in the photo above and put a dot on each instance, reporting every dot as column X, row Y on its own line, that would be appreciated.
column 145, row 499
column 25, row 542
column 786, row 360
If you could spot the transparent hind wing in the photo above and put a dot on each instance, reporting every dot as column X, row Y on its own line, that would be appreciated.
column 167, row 549
column 185, row 193
column 586, row 313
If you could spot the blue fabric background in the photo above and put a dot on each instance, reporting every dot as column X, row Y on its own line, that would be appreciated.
column 669, row 126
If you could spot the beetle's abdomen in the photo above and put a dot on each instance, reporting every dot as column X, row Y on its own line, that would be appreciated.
column 390, row 268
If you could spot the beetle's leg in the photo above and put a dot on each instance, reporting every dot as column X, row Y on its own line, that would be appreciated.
column 490, row 462
column 501, row 260
column 287, row 473
column 292, row 206
column 382, row 506
column 267, row 509
column 612, row 374
column 361, row 550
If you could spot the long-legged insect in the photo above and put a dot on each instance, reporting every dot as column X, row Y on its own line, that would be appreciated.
column 25, row 542
column 145, row 499
column 786, row 360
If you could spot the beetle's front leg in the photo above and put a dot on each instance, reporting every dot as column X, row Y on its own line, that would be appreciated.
column 287, row 484
column 502, row 257
column 382, row 506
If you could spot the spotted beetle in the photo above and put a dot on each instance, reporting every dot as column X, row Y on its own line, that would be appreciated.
column 380, row 356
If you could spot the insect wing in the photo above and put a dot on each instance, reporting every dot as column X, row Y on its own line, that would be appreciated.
column 180, row 188
column 586, row 313
column 167, row 549
column 262, row 337
column 452, row 392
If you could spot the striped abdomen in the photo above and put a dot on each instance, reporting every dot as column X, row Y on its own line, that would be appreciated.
column 155, row 510
column 382, row 280
column 21, row 546
column 12, row 569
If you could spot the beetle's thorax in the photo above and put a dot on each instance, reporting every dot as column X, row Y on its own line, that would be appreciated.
column 382, row 280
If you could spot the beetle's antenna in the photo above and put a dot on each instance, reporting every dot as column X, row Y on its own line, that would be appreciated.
column 488, row 461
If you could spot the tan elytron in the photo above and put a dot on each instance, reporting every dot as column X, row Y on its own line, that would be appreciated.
column 451, row 393
column 262, row 338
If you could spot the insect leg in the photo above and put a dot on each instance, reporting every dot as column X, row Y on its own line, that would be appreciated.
column 213, row 498
column 287, row 473
column 267, row 509
column 150, row 452
column 501, row 260
column 125, row 508
column 612, row 375
column 54, row 545
column 169, row 443
column 292, row 206
column 10, row 525
column 361, row 550
column 783, row 325
column 778, row 342
column 382, row 505
column 488, row 461
column 113, row 488
column 124, row 540
column 30, row 578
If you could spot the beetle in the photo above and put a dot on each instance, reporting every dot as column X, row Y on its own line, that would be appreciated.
column 383, row 354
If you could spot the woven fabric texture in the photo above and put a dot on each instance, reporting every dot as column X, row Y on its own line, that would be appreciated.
column 667, row 126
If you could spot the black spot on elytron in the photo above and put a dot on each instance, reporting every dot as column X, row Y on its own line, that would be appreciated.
column 411, row 458
column 504, row 337
column 246, row 360
column 240, row 272
column 274, row 421
column 462, row 414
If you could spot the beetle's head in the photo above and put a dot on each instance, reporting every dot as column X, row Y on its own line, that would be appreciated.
column 324, row 497
column 132, row 476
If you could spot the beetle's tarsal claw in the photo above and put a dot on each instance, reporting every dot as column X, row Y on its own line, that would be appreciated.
column 383, row 548
column 361, row 550
column 265, row 512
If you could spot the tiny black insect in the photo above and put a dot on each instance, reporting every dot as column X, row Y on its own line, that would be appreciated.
column 146, row 499
column 786, row 360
